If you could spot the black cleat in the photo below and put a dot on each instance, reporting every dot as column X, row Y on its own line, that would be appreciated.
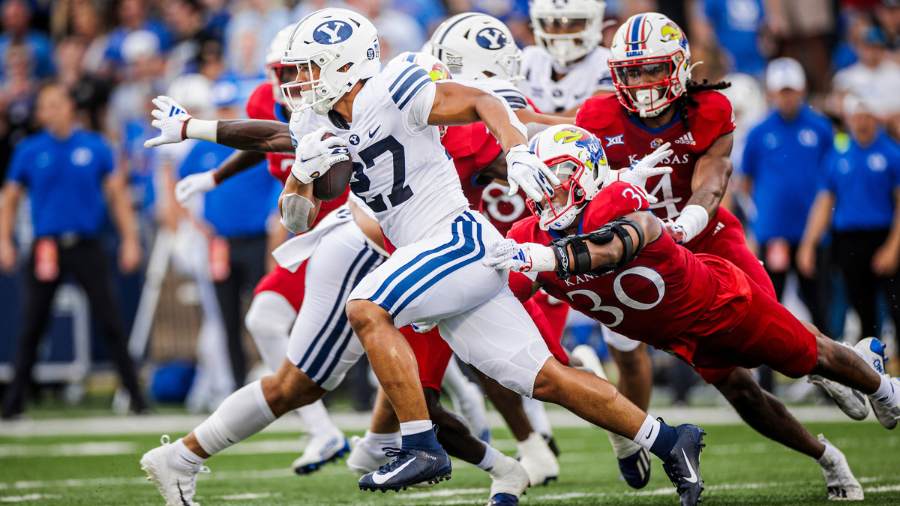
column 683, row 464
column 408, row 467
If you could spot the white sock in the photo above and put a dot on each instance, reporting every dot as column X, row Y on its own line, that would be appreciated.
column 537, row 415
column 242, row 414
column 648, row 432
column 184, row 459
column 490, row 456
column 317, row 421
column 382, row 440
column 415, row 427
column 886, row 393
column 829, row 456
column 622, row 446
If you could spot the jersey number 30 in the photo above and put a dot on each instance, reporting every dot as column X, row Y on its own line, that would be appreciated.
column 360, row 183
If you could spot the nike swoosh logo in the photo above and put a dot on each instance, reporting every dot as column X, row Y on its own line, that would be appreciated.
column 650, row 434
column 373, row 132
column 693, row 477
column 380, row 479
column 302, row 160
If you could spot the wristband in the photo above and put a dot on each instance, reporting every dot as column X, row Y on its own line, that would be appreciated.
column 201, row 129
column 692, row 220
column 542, row 259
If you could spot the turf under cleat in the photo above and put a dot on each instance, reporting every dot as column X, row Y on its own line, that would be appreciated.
column 851, row 402
column 635, row 468
column 503, row 500
column 538, row 460
column 683, row 464
column 408, row 467
column 320, row 451
column 365, row 456
column 176, row 486
column 839, row 479
column 872, row 351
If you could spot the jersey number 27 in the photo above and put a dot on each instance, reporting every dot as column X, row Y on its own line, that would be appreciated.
column 360, row 183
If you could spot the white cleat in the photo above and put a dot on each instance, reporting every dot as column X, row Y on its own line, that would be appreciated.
column 851, row 402
column 842, row 485
column 538, row 460
column 364, row 456
column 872, row 351
column 508, row 477
column 176, row 486
column 319, row 451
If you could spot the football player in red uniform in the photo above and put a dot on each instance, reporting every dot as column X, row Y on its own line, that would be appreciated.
column 279, row 294
column 656, row 102
column 600, row 250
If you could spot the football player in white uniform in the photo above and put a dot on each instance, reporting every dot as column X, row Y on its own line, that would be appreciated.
column 567, row 65
column 385, row 118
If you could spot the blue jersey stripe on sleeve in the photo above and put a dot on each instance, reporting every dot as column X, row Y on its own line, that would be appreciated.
column 420, row 84
column 400, row 77
column 410, row 81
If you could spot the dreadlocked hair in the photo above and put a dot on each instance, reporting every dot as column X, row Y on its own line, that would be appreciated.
column 685, row 100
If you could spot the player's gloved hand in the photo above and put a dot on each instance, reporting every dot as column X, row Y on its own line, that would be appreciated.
column 525, row 170
column 525, row 257
column 643, row 169
column 692, row 220
column 171, row 120
column 316, row 155
column 193, row 185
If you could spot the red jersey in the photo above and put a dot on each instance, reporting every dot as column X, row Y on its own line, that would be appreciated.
column 262, row 105
column 667, row 296
column 625, row 141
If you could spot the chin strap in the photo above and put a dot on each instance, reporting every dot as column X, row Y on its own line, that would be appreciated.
column 581, row 255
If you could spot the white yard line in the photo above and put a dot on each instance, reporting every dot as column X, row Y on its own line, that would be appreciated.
column 27, row 498
column 69, row 449
column 248, row 496
column 177, row 424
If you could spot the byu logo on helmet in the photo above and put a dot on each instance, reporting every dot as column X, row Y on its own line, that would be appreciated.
column 491, row 38
column 332, row 32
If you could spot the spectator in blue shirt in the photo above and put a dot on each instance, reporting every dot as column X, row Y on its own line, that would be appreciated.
column 17, row 32
column 860, row 197
column 782, row 164
column 66, row 172
column 737, row 25
column 237, row 212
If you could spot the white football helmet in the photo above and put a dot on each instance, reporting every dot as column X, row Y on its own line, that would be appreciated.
column 649, row 44
column 567, row 29
column 342, row 46
column 577, row 158
column 279, row 73
column 476, row 46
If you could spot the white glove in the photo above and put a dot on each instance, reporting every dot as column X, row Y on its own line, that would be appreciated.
column 525, row 257
column 170, row 118
column 193, row 185
column 525, row 169
column 315, row 156
column 643, row 169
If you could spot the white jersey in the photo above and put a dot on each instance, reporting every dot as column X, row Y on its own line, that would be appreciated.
column 584, row 79
column 400, row 169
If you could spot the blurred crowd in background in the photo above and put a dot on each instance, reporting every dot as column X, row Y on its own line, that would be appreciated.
column 815, row 89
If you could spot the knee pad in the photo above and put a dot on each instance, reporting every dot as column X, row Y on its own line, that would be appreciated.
column 270, row 314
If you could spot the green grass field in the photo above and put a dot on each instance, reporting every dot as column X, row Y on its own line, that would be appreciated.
column 738, row 465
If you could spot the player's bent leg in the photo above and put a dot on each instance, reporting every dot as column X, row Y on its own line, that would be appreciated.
column 394, row 364
column 635, row 383
column 174, row 467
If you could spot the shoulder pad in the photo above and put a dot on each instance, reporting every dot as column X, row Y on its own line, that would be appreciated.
column 600, row 114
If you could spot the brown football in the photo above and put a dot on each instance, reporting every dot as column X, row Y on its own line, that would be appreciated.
column 333, row 183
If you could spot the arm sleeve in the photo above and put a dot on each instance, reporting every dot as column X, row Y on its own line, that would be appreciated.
column 616, row 200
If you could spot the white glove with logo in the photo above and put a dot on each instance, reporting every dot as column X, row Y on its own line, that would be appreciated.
column 524, row 169
column 525, row 257
column 193, row 185
column 643, row 169
column 315, row 156
column 170, row 118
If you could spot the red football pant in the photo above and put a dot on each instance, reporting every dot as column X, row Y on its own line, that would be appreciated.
column 289, row 285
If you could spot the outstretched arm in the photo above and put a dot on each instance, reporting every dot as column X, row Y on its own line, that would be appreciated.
column 613, row 246
column 175, row 124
